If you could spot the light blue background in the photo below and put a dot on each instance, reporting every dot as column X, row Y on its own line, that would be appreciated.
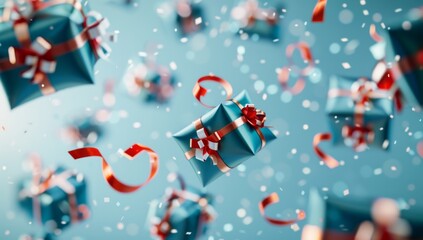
column 35, row 127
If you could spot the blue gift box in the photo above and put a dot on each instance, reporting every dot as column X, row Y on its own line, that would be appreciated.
column 340, row 218
column 55, row 25
column 407, row 44
column 150, row 84
column 84, row 131
column 185, row 215
column 342, row 111
column 55, row 209
column 261, row 24
column 187, row 24
column 233, row 148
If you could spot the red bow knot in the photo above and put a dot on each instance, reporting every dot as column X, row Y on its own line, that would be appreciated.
column 205, row 145
column 37, row 58
column 357, row 137
column 362, row 90
column 99, row 35
column 254, row 116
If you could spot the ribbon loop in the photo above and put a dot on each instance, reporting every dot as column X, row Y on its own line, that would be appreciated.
column 254, row 116
column 362, row 90
column 199, row 91
column 285, row 72
column 108, row 174
column 357, row 137
column 319, row 11
column 204, row 146
column 39, row 60
column 272, row 199
column 99, row 35
column 327, row 159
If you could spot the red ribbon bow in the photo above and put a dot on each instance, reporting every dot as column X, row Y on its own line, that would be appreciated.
column 362, row 91
column 205, row 145
column 357, row 137
column 39, row 60
column 254, row 116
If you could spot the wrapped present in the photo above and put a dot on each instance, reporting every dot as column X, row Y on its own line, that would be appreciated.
column 49, row 46
column 47, row 236
column 359, row 115
column 56, row 198
column 348, row 219
column 253, row 20
column 404, row 51
column 225, row 137
column 83, row 131
column 189, row 17
column 184, row 214
column 154, row 84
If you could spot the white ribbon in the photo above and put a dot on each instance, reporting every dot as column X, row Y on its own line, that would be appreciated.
column 100, row 34
column 16, row 10
column 199, row 153
column 40, row 46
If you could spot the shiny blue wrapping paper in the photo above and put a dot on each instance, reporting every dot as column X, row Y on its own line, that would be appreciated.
column 234, row 148
column 344, row 215
column 341, row 112
column 55, row 211
column 184, row 219
column 407, row 43
column 56, row 24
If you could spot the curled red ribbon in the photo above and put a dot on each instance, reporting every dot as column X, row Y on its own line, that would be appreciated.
column 272, row 199
column 319, row 11
column 129, row 153
column 327, row 159
column 199, row 91
column 283, row 75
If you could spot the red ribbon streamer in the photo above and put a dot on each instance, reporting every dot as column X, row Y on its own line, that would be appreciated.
column 272, row 199
column 285, row 72
column 319, row 11
column 108, row 174
column 199, row 91
column 327, row 159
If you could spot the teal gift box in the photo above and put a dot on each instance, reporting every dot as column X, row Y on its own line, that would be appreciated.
column 225, row 137
column 152, row 84
column 182, row 215
column 59, row 204
column 188, row 17
column 340, row 218
column 355, row 106
column 49, row 49
column 250, row 19
column 404, row 50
